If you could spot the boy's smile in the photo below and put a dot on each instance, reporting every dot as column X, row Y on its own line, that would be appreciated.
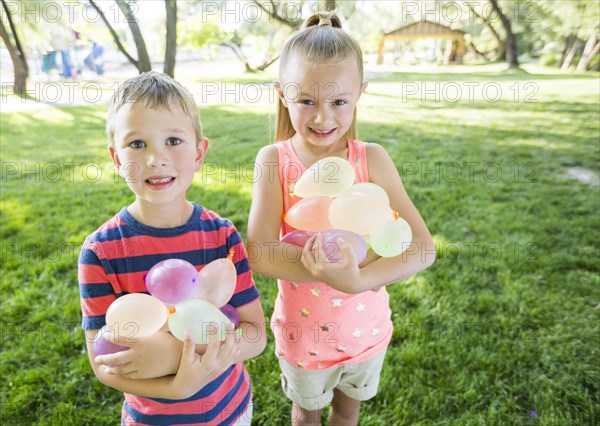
column 157, row 155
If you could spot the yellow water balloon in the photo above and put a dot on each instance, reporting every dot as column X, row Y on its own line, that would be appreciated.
column 327, row 177
column 391, row 239
column 136, row 315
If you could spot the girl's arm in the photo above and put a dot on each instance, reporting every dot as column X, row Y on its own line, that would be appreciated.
column 193, row 374
column 377, row 271
column 268, row 256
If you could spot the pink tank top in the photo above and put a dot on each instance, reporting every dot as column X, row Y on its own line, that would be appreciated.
column 316, row 326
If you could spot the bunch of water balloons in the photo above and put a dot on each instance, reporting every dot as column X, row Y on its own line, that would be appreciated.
column 181, row 297
column 333, row 205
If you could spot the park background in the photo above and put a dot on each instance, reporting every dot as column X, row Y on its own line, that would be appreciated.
column 498, row 150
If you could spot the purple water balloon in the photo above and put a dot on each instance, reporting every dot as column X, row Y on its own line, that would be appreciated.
column 333, row 252
column 172, row 281
column 103, row 346
column 231, row 313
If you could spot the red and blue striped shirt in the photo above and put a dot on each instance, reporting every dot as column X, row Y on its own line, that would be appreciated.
column 114, row 261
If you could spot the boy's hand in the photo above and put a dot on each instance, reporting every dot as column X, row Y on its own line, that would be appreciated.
column 148, row 357
column 197, row 371
column 343, row 275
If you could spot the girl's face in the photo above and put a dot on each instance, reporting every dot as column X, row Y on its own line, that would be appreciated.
column 156, row 153
column 321, row 99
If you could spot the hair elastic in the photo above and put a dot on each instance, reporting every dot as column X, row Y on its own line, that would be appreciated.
column 324, row 22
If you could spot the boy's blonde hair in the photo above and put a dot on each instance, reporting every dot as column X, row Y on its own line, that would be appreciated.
column 152, row 90
column 321, row 41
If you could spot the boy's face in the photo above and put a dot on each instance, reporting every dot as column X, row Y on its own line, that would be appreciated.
column 156, row 153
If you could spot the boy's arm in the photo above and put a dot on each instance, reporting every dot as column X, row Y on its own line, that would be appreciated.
column 193, row 374
column 268, row 256
column 252, row 339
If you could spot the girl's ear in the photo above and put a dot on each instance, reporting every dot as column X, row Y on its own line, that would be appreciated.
column 201, row 150
column 280, row 93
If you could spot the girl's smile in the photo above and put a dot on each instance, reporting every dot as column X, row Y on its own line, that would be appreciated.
column 322, row 103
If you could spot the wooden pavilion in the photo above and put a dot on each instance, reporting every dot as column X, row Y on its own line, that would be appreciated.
column 455, row 39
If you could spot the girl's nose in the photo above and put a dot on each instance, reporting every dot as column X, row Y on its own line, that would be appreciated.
column 322, row 113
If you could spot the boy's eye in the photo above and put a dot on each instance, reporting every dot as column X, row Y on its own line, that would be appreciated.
column 137, row 144
column 173, row 141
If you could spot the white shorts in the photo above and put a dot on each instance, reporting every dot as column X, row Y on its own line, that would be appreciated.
column 313, row 389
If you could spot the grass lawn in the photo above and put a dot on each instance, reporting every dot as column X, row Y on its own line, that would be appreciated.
column 503, row 329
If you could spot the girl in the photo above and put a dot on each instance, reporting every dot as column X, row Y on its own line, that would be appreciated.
column 332, row 320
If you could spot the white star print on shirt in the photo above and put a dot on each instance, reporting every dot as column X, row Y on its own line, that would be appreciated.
column 336, row 302
column 360, row 307
column 357, row 333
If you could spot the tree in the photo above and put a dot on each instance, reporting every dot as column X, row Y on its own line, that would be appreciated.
column 171, row 44
column 510, row 40
column 15, row 50
column 143, row 58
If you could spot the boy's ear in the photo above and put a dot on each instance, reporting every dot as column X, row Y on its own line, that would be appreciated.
column 114, row 156
column 201, row 150
column 280, row 93
column 363, row 87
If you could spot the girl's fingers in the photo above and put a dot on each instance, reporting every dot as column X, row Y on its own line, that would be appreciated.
column 189, row 347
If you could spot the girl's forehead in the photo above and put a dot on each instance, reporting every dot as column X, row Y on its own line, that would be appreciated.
column 299, row 70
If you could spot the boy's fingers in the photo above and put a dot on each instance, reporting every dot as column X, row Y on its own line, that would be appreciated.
column 188, row 345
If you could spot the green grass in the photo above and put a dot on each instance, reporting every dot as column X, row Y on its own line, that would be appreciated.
column 503, row 325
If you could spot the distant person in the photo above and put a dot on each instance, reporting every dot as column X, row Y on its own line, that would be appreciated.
column 156, row 144
column 331, row 321
column 94, row 59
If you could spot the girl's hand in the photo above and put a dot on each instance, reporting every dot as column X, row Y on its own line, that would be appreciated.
column 343, row 275
column 197, row 371
column 148, row 357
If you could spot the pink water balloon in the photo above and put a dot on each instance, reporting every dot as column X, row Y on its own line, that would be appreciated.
column 310, row 214
column 333, row 251
column 105, row 347
column 172, row 280
column 297, row 237
column 217, row 281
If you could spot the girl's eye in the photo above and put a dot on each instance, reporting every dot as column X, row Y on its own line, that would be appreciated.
column 307, row 102
column 137, row 144
column 173, row 141
column 339, row 102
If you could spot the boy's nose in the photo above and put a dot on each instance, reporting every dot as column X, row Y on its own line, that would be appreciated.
column 156, row 158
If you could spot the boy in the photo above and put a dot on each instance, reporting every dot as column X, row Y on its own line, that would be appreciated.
column 156, row 143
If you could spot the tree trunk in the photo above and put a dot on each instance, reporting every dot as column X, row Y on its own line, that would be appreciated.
column 511, row 39
column 143, row 58
column 569, row 41
column 569, row 58
column 171, row 44
column 17, row 56
column 114, row 34
column 592, row 47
